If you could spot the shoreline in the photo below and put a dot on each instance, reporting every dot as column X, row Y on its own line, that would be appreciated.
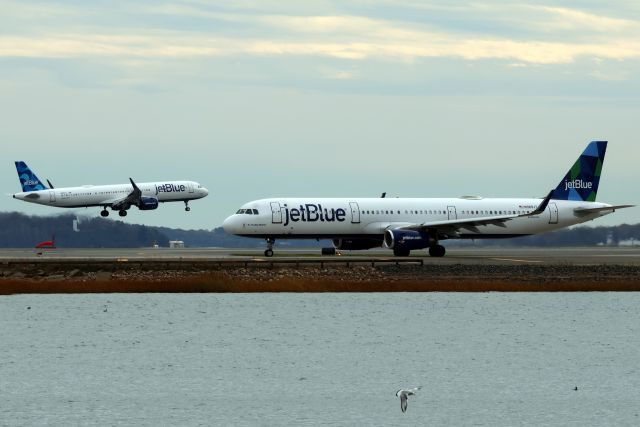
column 119, row 278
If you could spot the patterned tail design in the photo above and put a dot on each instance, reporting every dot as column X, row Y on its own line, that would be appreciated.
column 28, row 179
column 581, row 182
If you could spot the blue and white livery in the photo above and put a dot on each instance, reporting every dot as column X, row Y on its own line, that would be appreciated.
column 404, row 225
column 120, row 197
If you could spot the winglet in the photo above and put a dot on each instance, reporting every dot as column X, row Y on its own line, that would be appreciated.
column 135, row 187
column 543, row 206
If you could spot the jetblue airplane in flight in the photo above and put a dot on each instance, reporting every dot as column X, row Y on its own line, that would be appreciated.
column 120, row 197
column 404, row 224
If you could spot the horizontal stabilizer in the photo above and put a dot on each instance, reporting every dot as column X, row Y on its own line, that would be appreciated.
column 586, row 211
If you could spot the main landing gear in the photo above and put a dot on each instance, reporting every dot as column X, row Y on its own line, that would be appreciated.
column 186, row 206
column 269, row 251
column 122, row 212
column 434, row 251
column 437, row 251
column 104, row 213
column 401, row 252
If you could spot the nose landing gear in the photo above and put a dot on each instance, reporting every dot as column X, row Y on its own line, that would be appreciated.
column 186, row 206
column 269, row 251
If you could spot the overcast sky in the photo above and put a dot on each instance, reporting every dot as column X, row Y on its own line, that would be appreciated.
column 318, row 98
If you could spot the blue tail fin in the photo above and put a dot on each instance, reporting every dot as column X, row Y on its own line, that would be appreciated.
column 28, row 179
column 581, row 182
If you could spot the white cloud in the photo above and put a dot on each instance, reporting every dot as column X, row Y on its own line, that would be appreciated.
column 346, row 37
column 572, row 19
column 386, row 44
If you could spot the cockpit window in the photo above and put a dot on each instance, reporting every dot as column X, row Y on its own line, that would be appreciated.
column 247, row 212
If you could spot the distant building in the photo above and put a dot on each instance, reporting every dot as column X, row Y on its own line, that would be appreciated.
column 176, row 244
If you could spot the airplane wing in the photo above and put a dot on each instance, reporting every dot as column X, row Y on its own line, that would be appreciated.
column 587, row 211
column 130, row 199
column 452, row 227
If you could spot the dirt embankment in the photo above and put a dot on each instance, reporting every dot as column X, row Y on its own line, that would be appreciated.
column 54, row 278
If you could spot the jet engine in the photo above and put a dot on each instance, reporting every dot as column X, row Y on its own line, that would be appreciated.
column 356, row 244
column 148, row 203
column 406, row 239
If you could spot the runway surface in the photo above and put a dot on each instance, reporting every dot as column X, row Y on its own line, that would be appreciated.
column 476, row 256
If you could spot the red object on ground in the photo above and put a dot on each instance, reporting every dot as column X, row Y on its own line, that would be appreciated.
column 49, row 244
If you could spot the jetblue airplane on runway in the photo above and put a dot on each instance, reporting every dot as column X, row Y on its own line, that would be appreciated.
column 404, row 225
column 119, row 197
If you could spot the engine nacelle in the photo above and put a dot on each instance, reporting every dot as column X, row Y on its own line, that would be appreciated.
column 148, row 203
column 356, row 244
column 406, row 239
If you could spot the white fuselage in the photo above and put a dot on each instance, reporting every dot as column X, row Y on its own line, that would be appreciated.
column 369, row 217
column 103, row 195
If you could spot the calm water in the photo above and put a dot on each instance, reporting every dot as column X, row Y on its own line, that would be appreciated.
column 320, row 359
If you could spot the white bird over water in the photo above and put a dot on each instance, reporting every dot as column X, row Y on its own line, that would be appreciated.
column 404, row 395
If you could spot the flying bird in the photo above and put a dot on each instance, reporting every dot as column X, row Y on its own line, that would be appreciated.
column 404, row 395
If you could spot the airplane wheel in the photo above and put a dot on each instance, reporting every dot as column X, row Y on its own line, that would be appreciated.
column 187, row 209
column 401, row 252
column 268, row 253
column 122, row 213
column 437, row 251
column 104, row 213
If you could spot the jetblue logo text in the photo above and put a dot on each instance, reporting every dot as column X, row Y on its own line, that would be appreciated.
column 312, row 213
column 577, row 184
column 170, row 188
column 31, row 182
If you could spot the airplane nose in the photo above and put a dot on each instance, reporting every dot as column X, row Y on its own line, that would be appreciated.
column 205, row 192
column 228, row 225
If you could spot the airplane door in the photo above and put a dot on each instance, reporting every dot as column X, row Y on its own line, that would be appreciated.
column 276, row 213
column 452, row 212
column 190, row 187
column 355, row 213
column 553, row 211
column 52, row 196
